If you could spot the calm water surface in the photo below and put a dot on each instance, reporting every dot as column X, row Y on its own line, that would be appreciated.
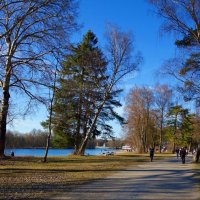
column 55, row 152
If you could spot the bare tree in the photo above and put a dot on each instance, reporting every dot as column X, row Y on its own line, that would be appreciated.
column 181, row 16
column 140, row 118
column 52, row 91
column 162, row 99
column 29, row 32
column 119, row 47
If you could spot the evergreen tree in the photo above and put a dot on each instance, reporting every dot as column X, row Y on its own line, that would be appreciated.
column 181, row 126
column 82, row 82
column 174, row 123
column 190, row 72
column 187, row 129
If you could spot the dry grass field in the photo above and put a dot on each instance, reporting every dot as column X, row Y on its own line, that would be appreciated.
column 30, row 178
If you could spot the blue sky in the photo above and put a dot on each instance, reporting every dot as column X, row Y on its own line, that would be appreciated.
column 135, row 16
column 130, row 15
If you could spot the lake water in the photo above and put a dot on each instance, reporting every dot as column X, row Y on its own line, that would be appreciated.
column 55, row 152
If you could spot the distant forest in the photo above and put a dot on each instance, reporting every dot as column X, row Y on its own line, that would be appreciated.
column 38, row 138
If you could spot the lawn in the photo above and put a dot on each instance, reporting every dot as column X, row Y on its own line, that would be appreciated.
column 28, row 177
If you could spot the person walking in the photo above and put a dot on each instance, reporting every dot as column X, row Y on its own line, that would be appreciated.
column 151, row 153
column 183, row 153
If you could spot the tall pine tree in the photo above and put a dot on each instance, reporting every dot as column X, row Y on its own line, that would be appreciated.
column 82, row 83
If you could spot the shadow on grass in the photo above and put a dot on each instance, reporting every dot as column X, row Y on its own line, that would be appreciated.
column 24, row 171
column 146, row 184
column 80, row 159
column 35, row 191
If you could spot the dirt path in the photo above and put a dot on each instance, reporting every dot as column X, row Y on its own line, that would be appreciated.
column 166, row 180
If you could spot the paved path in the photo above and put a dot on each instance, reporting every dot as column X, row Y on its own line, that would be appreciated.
column 166, row 180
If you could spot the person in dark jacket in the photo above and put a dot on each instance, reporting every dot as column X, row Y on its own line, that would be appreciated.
column 12, row 154
column 151, row 153
column 183, row 153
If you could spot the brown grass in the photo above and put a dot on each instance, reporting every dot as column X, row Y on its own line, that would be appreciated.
column 29, row 178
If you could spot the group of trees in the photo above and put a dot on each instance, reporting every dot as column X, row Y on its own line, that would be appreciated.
column 86, row 94
column 33, row 139
column 182, row 17
column 37, row 57
column 37, row 139
column 155, row 121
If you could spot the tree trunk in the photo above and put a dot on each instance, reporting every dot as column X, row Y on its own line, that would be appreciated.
column 82, row 148
column 77, row 135
column 50, row 117
column 161, row 135
column 50, row 128
column 81, row 151
column 5, row 98
column 47, row 147
column 161, row 129
column 175, row 129
column 3, row 119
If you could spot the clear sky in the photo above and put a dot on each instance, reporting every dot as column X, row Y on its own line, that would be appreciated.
column 130, row 15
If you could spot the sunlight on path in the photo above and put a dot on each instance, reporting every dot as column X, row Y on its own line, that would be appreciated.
column 167, row 180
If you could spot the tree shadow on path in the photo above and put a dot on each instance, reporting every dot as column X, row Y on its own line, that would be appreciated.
column 167, row 180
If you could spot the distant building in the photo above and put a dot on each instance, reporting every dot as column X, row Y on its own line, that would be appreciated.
column 127, row 148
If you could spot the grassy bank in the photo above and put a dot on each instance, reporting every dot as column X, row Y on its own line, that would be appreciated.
column 28, row 177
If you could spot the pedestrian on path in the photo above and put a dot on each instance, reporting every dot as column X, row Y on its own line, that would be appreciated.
column 183, row 154
column 151, row 154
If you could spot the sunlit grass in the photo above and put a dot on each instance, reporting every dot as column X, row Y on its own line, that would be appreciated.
column 30, row 176
column 25, row 176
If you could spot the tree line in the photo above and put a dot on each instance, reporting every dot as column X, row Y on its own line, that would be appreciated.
column 182, row 18
column 37, row 139
column 156, row 120
column 153, row 118
column 33, row 139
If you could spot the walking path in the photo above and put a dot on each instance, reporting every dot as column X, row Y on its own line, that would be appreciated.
column 166, row 180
